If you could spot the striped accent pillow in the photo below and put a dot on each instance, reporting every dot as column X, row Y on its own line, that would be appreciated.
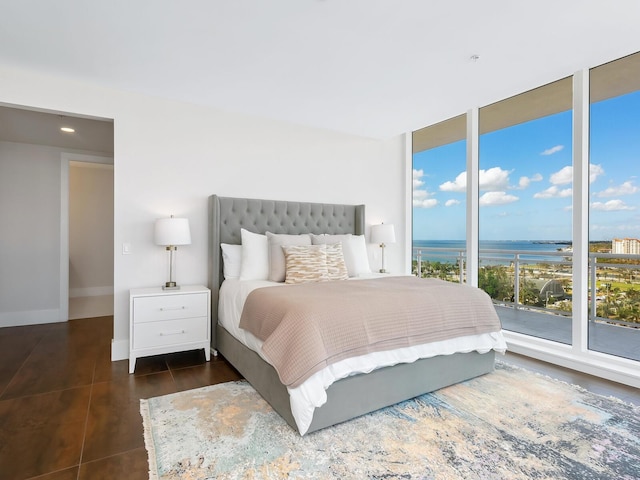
column 336, row 266
column 305, row 263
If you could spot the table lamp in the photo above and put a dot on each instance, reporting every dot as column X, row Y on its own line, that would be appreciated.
column 383, row 234
column 171, row 232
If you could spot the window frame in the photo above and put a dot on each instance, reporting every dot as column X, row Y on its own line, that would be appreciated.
column 576, row 356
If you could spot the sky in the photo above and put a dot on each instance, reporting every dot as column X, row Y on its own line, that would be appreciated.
column 526, row 179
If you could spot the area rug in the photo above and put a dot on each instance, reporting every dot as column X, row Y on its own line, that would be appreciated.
column 509, row 424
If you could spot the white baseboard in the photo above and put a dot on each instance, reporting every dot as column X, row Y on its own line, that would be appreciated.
column 29, row 317
column 119, row 350
column 90, row 291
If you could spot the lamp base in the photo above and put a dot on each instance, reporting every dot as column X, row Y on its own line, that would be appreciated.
column 171, row 286
column 382, row 270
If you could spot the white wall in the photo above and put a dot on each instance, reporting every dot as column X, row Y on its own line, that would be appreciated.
column 29, row 215
column 169, row 157
column 30, row 200
column 90, row 229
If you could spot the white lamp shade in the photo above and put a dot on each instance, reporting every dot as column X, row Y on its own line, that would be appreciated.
column 383, row 233
column 172, row 231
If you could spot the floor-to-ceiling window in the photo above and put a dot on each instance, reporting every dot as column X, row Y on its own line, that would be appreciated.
column 439, row 195
column 525, row 175
column 614, row 208
column 557, row 215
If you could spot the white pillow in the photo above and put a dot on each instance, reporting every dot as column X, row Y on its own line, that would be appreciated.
column 277, row 266
column 357, row 256
column 231, row 260
column 255, row 256
column 354, row 249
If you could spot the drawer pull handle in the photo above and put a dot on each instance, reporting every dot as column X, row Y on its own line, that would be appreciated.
column 164, row 309
column 179, row 332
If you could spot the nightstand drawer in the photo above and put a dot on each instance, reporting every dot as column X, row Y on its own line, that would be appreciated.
column 169, row 307
column 169, row 332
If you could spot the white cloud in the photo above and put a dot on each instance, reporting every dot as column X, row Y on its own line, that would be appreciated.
column 524, row 182
column 426, row 203
column 565, row 174
column 451, row 202
column 492, row 179
column 417, row 194
column 421, row 199
column 611, row 206
column 553, row 192
column 420, row 195
column 552, row 150
column 496, row 198
column 594, row 172
column 458, row 185
column 562, row 177
column 417, row 178
column 627, row 188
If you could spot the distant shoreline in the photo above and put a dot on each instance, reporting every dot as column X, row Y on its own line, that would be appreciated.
column 448, row 251
column 535, row 242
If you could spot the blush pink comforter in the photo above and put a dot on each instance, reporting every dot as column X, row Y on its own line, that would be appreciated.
column 309, row 326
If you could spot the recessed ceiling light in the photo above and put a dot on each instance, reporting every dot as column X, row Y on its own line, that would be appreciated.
column 67, row 129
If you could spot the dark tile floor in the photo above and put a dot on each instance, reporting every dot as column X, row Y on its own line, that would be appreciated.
column 67, row 412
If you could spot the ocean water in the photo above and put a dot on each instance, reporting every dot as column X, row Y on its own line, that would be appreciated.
column 522, row 246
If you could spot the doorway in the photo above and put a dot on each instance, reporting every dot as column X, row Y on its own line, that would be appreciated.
column 32, row 144
column 90, row 237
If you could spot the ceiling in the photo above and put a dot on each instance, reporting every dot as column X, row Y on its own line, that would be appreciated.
column 605, row 81
column 375, row 68
column 41, row 128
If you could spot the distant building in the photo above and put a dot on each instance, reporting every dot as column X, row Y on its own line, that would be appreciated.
column 630, row 246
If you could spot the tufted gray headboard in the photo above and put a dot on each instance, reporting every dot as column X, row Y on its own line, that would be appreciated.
column 228, row 215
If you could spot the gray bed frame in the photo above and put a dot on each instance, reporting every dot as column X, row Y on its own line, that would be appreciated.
column 352, row 396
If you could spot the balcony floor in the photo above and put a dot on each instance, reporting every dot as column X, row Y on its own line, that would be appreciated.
column 603, row 337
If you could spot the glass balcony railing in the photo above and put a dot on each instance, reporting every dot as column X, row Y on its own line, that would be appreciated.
column 542, row 281
column 616, row 297
column 532, row 292
column 443, row 263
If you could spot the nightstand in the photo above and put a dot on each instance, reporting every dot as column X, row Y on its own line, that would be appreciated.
column 167, row 321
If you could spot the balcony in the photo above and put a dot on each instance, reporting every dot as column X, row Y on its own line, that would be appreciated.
column 532, row 292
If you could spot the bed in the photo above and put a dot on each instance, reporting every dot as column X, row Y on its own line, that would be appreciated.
column 348, row 397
